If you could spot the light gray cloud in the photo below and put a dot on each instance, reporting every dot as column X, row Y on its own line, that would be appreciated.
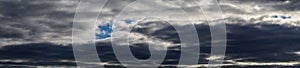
column 36, row 20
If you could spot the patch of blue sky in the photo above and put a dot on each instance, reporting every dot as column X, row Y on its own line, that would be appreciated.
column 105, row 31
column 282, row 17
column 275, row 16
column 128, row 21
column 286, row 17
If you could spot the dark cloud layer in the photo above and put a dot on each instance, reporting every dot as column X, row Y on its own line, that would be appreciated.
column 37, row 54
column 258, row 42
column 268, row 43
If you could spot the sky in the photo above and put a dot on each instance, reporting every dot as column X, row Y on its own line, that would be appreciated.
column 260, row 32
column 51, row 20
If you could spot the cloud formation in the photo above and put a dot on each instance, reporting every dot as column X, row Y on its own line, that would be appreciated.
column 253, row 38
column 36, row 20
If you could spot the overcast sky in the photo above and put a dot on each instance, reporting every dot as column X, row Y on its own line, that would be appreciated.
column 36, row 21
column 27, row 21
